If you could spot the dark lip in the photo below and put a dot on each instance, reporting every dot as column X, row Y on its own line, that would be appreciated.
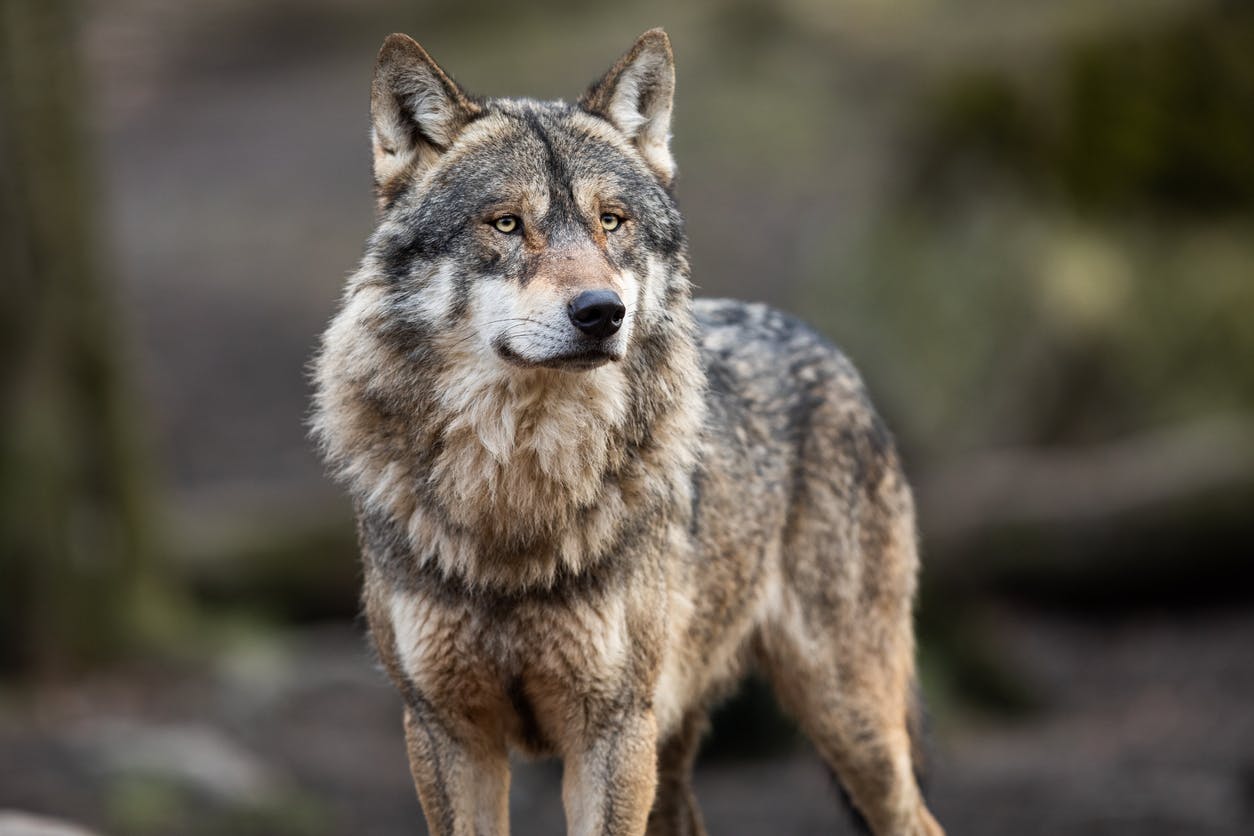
column 578, row 361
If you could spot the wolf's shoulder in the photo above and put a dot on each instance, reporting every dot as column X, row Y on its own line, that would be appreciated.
column 749, row 339
column 769, row 370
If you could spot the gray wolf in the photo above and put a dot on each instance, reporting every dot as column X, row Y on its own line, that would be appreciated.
column 587, row 504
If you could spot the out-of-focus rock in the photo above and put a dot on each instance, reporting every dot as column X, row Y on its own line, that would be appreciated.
column 14, row 823
column 198, row 757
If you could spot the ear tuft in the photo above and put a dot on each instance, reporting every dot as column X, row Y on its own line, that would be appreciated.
column 416, row 111
column 636, row 96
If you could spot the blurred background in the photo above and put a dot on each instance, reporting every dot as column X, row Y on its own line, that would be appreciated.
column 1031, row 224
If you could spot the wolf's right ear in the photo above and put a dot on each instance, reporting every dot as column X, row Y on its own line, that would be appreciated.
column 416, row 110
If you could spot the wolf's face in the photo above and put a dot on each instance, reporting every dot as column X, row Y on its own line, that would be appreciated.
column 539, row 235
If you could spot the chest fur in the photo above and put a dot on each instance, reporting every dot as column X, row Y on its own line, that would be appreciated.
column 515, row 448
column 532, row 676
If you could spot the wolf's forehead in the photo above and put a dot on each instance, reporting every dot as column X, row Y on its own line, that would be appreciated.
column 545, row 147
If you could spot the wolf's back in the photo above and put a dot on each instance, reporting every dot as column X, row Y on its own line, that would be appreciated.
column 789, row 431
column 765, row 365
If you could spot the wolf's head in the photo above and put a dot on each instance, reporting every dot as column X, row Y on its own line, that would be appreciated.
column 545, row 228
column 514, row 359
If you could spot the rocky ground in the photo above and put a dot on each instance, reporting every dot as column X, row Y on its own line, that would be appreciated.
column 1144, row 728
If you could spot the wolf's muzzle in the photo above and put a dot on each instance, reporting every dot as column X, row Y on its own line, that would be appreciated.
column 597, row 313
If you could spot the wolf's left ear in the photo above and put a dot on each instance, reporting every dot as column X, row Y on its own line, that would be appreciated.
column 636, row 96
column 416, row 110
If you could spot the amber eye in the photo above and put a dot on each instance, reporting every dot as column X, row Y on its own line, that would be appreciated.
column 507, row 224
column 610, row 221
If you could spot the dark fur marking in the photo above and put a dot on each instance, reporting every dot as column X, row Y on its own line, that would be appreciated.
column 388, row 552
column 532, row 736
column 425, row 719
column 694, row 523
column 384, row 546
column 461, row 297
column 607, row 781
column 561, row 189
column 407, row 335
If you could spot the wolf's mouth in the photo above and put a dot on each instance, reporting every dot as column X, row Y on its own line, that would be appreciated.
column 581, row 361
column 574, row 361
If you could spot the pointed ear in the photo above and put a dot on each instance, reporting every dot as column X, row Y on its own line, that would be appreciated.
column 416, row 110
column 635, row 96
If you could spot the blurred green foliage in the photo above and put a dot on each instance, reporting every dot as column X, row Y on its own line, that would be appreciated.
column 145, row 804
column 1070, row 254
column 76, row 581
column 1002, row 324
column 1157, row 117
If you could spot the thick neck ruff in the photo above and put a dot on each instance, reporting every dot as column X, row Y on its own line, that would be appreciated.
column 508, row 478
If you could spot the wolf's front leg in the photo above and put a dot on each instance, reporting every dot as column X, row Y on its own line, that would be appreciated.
column 464, row 790
column 608, row 783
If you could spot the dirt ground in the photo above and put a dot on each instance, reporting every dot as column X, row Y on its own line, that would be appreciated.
column 1146, row 728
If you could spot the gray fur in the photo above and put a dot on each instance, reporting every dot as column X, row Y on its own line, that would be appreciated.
column 573, row 548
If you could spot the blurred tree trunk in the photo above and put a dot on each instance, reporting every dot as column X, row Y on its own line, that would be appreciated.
column 72, row 556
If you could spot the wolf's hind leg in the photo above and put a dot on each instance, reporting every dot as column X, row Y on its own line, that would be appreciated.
column 838, row 639
column 839, row 649
column 675, row 811
column 856, row 714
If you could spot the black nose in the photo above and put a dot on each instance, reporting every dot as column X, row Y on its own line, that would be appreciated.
column 598, row 313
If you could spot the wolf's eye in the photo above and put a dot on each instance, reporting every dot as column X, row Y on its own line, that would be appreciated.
column 610, row 221
column 506, row 224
